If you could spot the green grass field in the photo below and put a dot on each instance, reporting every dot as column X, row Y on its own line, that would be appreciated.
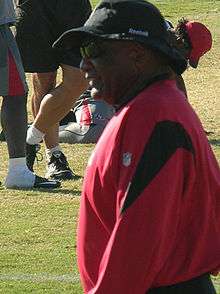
column 38, row 228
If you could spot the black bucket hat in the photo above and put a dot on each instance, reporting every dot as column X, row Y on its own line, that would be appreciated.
column 135, row 20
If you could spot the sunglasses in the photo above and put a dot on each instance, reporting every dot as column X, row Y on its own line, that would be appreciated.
column 91, row 50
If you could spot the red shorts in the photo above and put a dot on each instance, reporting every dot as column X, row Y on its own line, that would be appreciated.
column 12, row 82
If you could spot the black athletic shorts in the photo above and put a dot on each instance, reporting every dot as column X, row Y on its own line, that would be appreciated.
column 199, row 285
column 40, row 23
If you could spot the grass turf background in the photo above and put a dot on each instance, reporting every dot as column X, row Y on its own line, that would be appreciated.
column 38, row 228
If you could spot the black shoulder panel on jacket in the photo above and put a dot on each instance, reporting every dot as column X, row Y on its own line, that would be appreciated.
column 165, row 139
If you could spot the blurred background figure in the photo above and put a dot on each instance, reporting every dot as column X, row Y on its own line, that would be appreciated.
column 39, row 25
column 193, row 39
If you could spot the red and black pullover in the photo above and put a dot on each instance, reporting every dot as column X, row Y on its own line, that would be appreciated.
column 150, row 206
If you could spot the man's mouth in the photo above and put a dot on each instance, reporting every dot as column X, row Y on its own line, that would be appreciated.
column 96, row 88
column 95, row 83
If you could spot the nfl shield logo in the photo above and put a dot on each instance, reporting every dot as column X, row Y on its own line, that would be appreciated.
column 126, row 160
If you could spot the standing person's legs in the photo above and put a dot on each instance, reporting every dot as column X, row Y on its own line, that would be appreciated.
column 13, row 88
column 44, row 83
column 52, row 107
column 35, row 31
column 55, row 105
column 38, row 27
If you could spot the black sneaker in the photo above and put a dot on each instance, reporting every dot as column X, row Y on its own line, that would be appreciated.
column 45, row 183
column 58, row 167
column 31, row 155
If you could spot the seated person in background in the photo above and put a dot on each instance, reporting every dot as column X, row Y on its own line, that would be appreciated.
column 87, row 120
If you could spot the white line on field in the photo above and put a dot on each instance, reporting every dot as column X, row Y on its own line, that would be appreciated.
column 40, row 277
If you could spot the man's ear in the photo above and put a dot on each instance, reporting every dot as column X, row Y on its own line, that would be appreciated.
column 138, row 52
column 141, row 56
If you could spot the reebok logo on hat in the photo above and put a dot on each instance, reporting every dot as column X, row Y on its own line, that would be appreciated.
column 137, row 32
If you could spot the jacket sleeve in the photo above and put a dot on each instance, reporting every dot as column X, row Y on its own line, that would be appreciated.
column 149, row 213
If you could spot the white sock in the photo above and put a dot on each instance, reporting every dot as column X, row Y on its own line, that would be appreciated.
column 34, row 136
column 50, row 151
column 16, row 163
column 19, row 176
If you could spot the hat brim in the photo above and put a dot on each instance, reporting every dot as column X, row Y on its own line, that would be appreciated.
column 74, row 38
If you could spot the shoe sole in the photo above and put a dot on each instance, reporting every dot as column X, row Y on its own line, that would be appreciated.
column 37, row 186
column 47, row 185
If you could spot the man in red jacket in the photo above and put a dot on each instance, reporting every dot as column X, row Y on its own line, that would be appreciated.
column 150, row 208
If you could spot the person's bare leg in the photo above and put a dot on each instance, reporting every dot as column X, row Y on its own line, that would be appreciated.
column 43, row 83
column 53, row 108
column 58, row 102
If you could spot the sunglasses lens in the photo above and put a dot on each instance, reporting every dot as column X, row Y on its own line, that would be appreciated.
column 91, row 50
column 82, row 52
